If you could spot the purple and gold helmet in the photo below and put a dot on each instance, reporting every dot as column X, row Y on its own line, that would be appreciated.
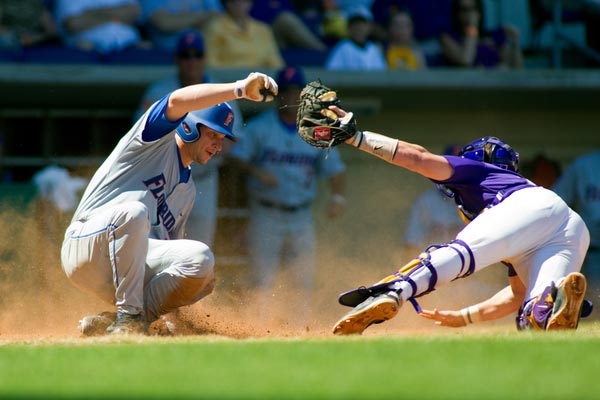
column 492, row 150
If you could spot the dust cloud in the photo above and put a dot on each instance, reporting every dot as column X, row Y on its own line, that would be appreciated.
column 37, row 301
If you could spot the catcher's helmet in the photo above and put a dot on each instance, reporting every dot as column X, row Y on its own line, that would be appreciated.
column 219, row 118
column 492, row 150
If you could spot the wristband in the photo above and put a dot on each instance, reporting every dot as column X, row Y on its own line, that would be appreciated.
column 381, row 146
column 239, row 88
column 471, row 314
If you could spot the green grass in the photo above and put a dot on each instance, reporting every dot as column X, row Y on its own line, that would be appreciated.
column 487, row 366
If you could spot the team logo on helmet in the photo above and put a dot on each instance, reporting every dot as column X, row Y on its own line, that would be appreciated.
column 228, row 119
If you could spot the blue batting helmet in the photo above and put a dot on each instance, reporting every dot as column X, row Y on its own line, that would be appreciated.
column 219, row 118
column 492, row 150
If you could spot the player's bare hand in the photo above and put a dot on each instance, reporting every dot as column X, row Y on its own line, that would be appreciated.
column 341, row 113
column 444, row 318
column 257, row 87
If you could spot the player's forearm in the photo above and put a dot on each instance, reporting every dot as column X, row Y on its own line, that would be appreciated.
column 198, row 96
column 407, row 155
column 499, row 305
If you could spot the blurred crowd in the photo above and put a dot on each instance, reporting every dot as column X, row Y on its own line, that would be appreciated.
column 335, row 34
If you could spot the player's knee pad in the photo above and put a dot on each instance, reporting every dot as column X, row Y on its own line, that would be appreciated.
column 424, row 260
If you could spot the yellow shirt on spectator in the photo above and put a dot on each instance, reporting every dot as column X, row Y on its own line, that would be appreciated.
column 229, row 46
column 401, row 57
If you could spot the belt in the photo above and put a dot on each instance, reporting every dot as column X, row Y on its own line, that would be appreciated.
column 283, row 207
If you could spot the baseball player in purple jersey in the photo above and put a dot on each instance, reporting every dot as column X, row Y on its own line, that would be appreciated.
column 283, row 174
column 125, row 243
column 509, row 219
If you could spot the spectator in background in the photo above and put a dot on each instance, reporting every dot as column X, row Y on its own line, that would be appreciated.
column 289, row 29
column 100, row 25
column 430, row 19
column 334, row 24
column 579, row 187
column 282, row 181
column 469, row 45
column 541, row 170
column 189, row 59
column 402, row 50
column 25, row 23
column 235, row 39
column 165, row 20
column 357, row 52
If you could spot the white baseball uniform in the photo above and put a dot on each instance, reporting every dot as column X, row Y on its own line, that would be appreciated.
column 281, row 229
column 125, row 240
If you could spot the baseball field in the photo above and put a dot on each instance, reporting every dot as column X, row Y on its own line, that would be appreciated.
column 237, row 344
column 419, row 365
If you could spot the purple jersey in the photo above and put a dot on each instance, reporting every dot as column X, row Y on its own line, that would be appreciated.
column 475, row 185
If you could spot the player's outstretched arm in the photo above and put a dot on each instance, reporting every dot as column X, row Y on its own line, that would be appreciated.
column 506, row 301
column 411, row 156
column 256, row 87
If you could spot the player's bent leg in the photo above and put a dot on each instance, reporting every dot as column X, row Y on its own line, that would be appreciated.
column 374, row 310
column 438, row 264
column 189, row 279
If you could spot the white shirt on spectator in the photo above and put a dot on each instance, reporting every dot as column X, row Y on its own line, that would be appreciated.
column 106, row 37
column 347, row 55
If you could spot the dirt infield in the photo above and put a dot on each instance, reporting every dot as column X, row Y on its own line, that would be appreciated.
column 39, row 303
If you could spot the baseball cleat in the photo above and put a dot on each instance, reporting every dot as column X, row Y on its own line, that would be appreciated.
column 128, row 324
column 374, row 310
column 93, row 325
column 568, row 302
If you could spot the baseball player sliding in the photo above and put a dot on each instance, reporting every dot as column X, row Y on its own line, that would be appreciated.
column 125, row 243
column 509, row 219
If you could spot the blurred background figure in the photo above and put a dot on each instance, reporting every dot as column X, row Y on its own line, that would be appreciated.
column 165, row 20
column 289, row 29
column 26, row 23
column 283, row 173
column 58, row 193
column 235, row 39
column 541, row 170
column 469, row 45
column 433, row 217
column 190, row 62
column 579, row 186
column 402, row 51
column 357, row 52
column 100, row 25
